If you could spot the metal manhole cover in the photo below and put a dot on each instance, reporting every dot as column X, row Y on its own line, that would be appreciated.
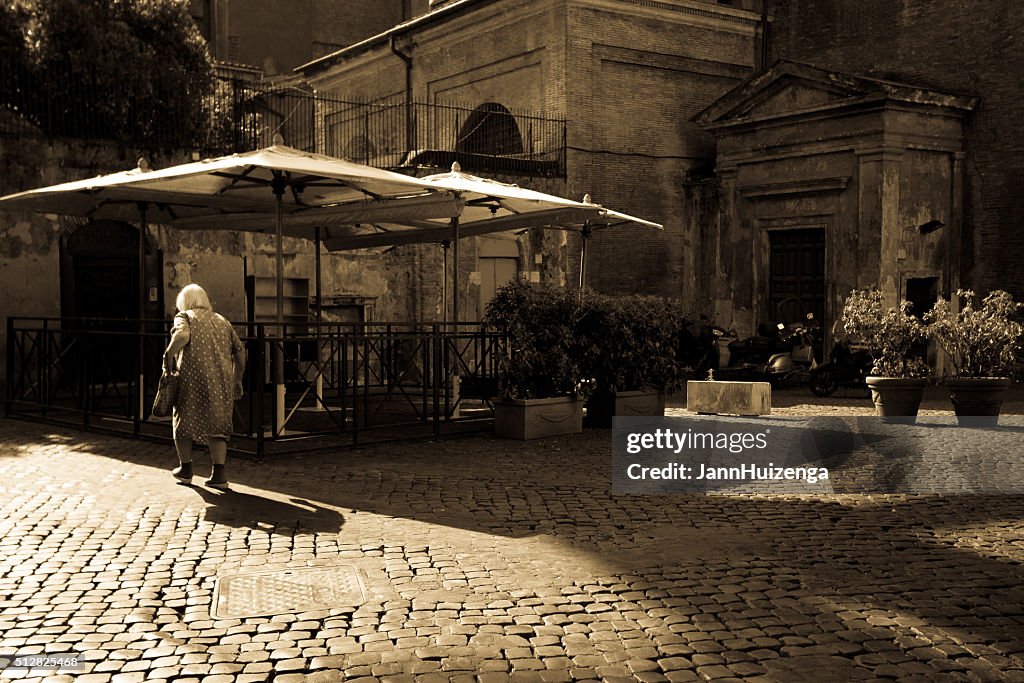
column 265, row 593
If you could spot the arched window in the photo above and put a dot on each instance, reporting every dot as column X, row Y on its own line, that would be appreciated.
column 491, row 129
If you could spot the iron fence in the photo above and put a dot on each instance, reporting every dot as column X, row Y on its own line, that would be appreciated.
column 489, row 138
column 238, row 115
column 343, row 383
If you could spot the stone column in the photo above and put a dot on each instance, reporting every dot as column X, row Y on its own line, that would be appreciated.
column 954, row 230
column 880, row 237
column 724, row 263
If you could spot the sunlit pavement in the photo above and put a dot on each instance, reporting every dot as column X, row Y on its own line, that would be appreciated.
column 488, row 560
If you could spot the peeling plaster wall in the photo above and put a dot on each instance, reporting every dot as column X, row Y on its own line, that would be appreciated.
column 29, row 242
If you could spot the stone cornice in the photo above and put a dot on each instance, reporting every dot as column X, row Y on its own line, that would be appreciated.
column 795, row 187
column 695, row 9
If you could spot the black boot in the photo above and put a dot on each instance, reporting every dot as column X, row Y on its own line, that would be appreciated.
column 218, row 480
column 183, row 473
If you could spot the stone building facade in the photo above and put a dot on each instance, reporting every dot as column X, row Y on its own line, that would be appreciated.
column 275, row 36
column 950, row 46
column 626, row 75
column 828, row 182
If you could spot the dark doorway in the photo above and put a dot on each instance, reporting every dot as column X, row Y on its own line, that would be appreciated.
column 106, row 287
column 922, row 293
column 796, row 284
column 100, row 293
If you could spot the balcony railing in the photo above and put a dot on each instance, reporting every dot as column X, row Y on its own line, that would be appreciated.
column 489, row 138
column 241, row 114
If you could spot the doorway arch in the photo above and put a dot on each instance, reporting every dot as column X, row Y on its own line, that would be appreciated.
column 490, row 129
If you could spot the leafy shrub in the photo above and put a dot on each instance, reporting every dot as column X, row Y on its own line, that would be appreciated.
column 542, row 359
column 889, row 333
column 981, row 341
column 560, row 345
column 630, row 343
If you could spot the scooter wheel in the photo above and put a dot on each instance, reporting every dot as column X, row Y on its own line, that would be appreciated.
column 823, row 382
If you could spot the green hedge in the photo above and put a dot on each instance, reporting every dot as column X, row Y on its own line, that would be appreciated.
column 560, row 344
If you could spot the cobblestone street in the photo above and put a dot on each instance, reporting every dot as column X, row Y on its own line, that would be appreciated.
column 488, row 560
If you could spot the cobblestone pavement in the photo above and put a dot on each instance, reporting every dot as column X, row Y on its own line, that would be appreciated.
column 488, row 560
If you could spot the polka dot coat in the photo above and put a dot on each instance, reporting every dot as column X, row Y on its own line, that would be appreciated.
column 206, row 383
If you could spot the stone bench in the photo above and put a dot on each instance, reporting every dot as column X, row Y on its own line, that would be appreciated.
column 729, row 398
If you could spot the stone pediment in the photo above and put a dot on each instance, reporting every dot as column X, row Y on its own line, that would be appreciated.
column 790, row 88
column 791, row 95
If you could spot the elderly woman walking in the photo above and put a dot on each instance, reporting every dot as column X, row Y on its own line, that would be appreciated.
column 212, row 360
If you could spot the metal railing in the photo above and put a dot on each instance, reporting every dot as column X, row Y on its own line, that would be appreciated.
column 239, row 115
column 490, row 138
column 343, row 383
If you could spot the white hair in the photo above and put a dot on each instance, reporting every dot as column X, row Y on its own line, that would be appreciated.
column 192, row 297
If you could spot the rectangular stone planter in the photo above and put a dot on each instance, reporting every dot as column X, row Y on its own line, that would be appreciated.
column 602, row 407
column 537, row 417
column 729, row 398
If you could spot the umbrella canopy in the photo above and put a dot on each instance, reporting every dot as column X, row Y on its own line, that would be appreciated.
column 487, row 206
column 234, row 191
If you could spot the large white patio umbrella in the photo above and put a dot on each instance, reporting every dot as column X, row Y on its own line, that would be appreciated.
column 461, row 205
column 264, row 186
column 349, row 205
column 487, row 206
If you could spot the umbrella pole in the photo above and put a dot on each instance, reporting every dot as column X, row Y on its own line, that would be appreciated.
column 455, row 270
column 141, row 357
column 444, row 281
column 319, row 320
column 583, row 256
column 279, row 394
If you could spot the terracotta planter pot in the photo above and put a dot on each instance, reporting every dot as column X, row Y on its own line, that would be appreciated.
column 977, row 400
column 897, row 399
column 537, row 417
column 603, row 406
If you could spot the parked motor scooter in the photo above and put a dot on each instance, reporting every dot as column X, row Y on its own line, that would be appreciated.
column 796, row 364
column 753, row 353
column 778, row 353
column 848, row 366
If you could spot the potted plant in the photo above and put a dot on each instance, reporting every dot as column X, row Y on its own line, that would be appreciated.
column 981, row 343
column 897, row 379
column 539, row 374
column 631, row 348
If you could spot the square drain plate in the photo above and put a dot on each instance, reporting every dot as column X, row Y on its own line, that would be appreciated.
column 265, row 593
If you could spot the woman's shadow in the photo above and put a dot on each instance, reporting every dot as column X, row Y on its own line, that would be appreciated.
column 238, row 509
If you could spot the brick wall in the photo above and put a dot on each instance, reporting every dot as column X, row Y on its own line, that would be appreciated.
column 627, row 76
column 337, row 24
column 638, row 76
column 970, row 48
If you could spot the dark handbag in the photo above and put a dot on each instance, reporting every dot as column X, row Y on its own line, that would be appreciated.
column 166, row 394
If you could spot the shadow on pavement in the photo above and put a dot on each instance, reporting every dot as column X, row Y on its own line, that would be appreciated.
column 242, row 509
